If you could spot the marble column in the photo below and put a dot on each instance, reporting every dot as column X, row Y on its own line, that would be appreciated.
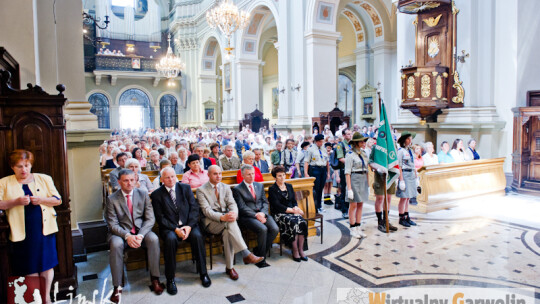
column 321, row 75
column 248, row 84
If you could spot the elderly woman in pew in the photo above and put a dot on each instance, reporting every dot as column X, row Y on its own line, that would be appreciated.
column 470, row 152
column 249, row 159
column 284, row 208
column 29, row 200
column 143, row 182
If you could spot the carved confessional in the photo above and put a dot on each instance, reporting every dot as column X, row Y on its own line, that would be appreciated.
column 33, row 120
column 526, row 147
column 333, row 118
column 432, row 83
column 254, row 120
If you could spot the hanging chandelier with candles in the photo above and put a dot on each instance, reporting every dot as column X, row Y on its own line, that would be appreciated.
column 228, row 19
column 170, row 65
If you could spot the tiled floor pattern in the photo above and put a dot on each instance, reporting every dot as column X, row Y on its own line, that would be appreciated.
column 488, row 242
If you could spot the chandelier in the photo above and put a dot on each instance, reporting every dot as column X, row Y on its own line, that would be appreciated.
column 228, row 19
column 169, row 66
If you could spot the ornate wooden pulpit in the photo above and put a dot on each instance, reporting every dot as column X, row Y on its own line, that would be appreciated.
column 254, row 120
column 333, row 118
column 433, row 82
column 33, row 120
column 526, row 147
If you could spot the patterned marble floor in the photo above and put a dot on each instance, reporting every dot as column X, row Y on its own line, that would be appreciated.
column 484, row 242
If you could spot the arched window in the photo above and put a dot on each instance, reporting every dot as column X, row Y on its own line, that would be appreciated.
column 100, row 108
column 135, row 110
column 168, row 110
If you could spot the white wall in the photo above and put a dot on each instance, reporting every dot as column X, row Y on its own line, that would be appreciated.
column 528, row 59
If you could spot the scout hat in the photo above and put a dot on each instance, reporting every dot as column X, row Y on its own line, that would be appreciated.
column 358, row 137
column 404, row 136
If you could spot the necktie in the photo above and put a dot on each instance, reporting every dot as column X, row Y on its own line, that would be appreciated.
column 290, row 157
column 173, row 197
column 130, row 207
column 252, row 191
column 279, row 153
column 218, row 200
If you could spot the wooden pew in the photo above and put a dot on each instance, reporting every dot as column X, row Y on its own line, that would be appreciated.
column 136, row 259
column 444, row 185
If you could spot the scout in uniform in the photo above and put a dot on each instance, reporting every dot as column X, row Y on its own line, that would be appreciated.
column 407, row 178
column 316, row 165
column 289, row 155
column 357, row 182
column 378, row 189
column 342, row 148
column 276, row 158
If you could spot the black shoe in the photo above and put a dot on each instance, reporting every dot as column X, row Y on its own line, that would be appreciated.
column 262, row 264
column 305, row 259
column 171, row 287
column 403, row 222
column 382, row 227
column 205, row 280
column 297, row 259
column 411, row 222
column 392, row 227
column 345, row 215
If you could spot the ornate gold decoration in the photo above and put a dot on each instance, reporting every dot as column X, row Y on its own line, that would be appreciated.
column 458, row 86
column 433, row 47
column 403, row 76
column 431, row 22
column 415, row 21
column 410, row 87
column 417, row 74
column 455, row 10
column 438, row 88
column 425, row 89
column 434, row 74
column 445, row 75
column 416, row 7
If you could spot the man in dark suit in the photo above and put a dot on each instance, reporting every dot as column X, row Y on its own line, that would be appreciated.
column 260, row 163
column 130, row 219
column 177, row 214
column 113, row 175
column 253, row 208
column 205, row 162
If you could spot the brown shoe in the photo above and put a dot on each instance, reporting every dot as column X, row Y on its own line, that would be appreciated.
column 116, row 295
column 252, row 259
column 156, row 286
column 232, row 273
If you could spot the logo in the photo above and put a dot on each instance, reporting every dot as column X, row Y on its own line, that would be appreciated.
column 382, row 134
column 392, row 154
column 22, row 290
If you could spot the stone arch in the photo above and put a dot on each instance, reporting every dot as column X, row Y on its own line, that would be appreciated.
column 143, row 98
column 132, row 86
column 261, row 11
column 209, row 38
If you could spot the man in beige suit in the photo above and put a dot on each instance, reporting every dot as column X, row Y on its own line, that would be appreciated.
column 228, row 161
column 220, row 212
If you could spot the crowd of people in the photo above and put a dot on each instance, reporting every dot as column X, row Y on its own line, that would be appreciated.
column 336, row 160
column 108, row 52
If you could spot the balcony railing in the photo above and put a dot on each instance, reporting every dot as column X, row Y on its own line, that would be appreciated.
column 118, row 63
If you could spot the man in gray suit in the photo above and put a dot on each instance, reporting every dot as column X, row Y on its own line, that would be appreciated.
column 253, row 207
column 113, row 175
column 228, row 161
column 130, row 218
column 220, row 212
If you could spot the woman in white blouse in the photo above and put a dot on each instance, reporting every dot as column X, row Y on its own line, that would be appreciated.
column 457, row 151
column 429, row 157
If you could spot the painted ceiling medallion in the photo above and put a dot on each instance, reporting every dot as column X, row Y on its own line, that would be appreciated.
column 433, row 47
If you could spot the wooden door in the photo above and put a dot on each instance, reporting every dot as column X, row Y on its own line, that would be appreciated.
column 534, row 142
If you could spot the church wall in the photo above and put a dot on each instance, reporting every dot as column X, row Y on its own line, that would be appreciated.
column 117, row 89
column 348, row 43
column 528, row 61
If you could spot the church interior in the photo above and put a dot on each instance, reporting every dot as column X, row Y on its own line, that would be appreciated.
column 78, row 75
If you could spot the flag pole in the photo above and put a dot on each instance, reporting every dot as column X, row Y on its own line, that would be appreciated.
column 385, row 207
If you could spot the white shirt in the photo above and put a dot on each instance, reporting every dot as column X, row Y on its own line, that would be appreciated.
column 250, row 185
column 430, row 160
column 457, row 155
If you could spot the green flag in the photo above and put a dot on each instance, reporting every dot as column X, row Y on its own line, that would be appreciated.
column 384, row 155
